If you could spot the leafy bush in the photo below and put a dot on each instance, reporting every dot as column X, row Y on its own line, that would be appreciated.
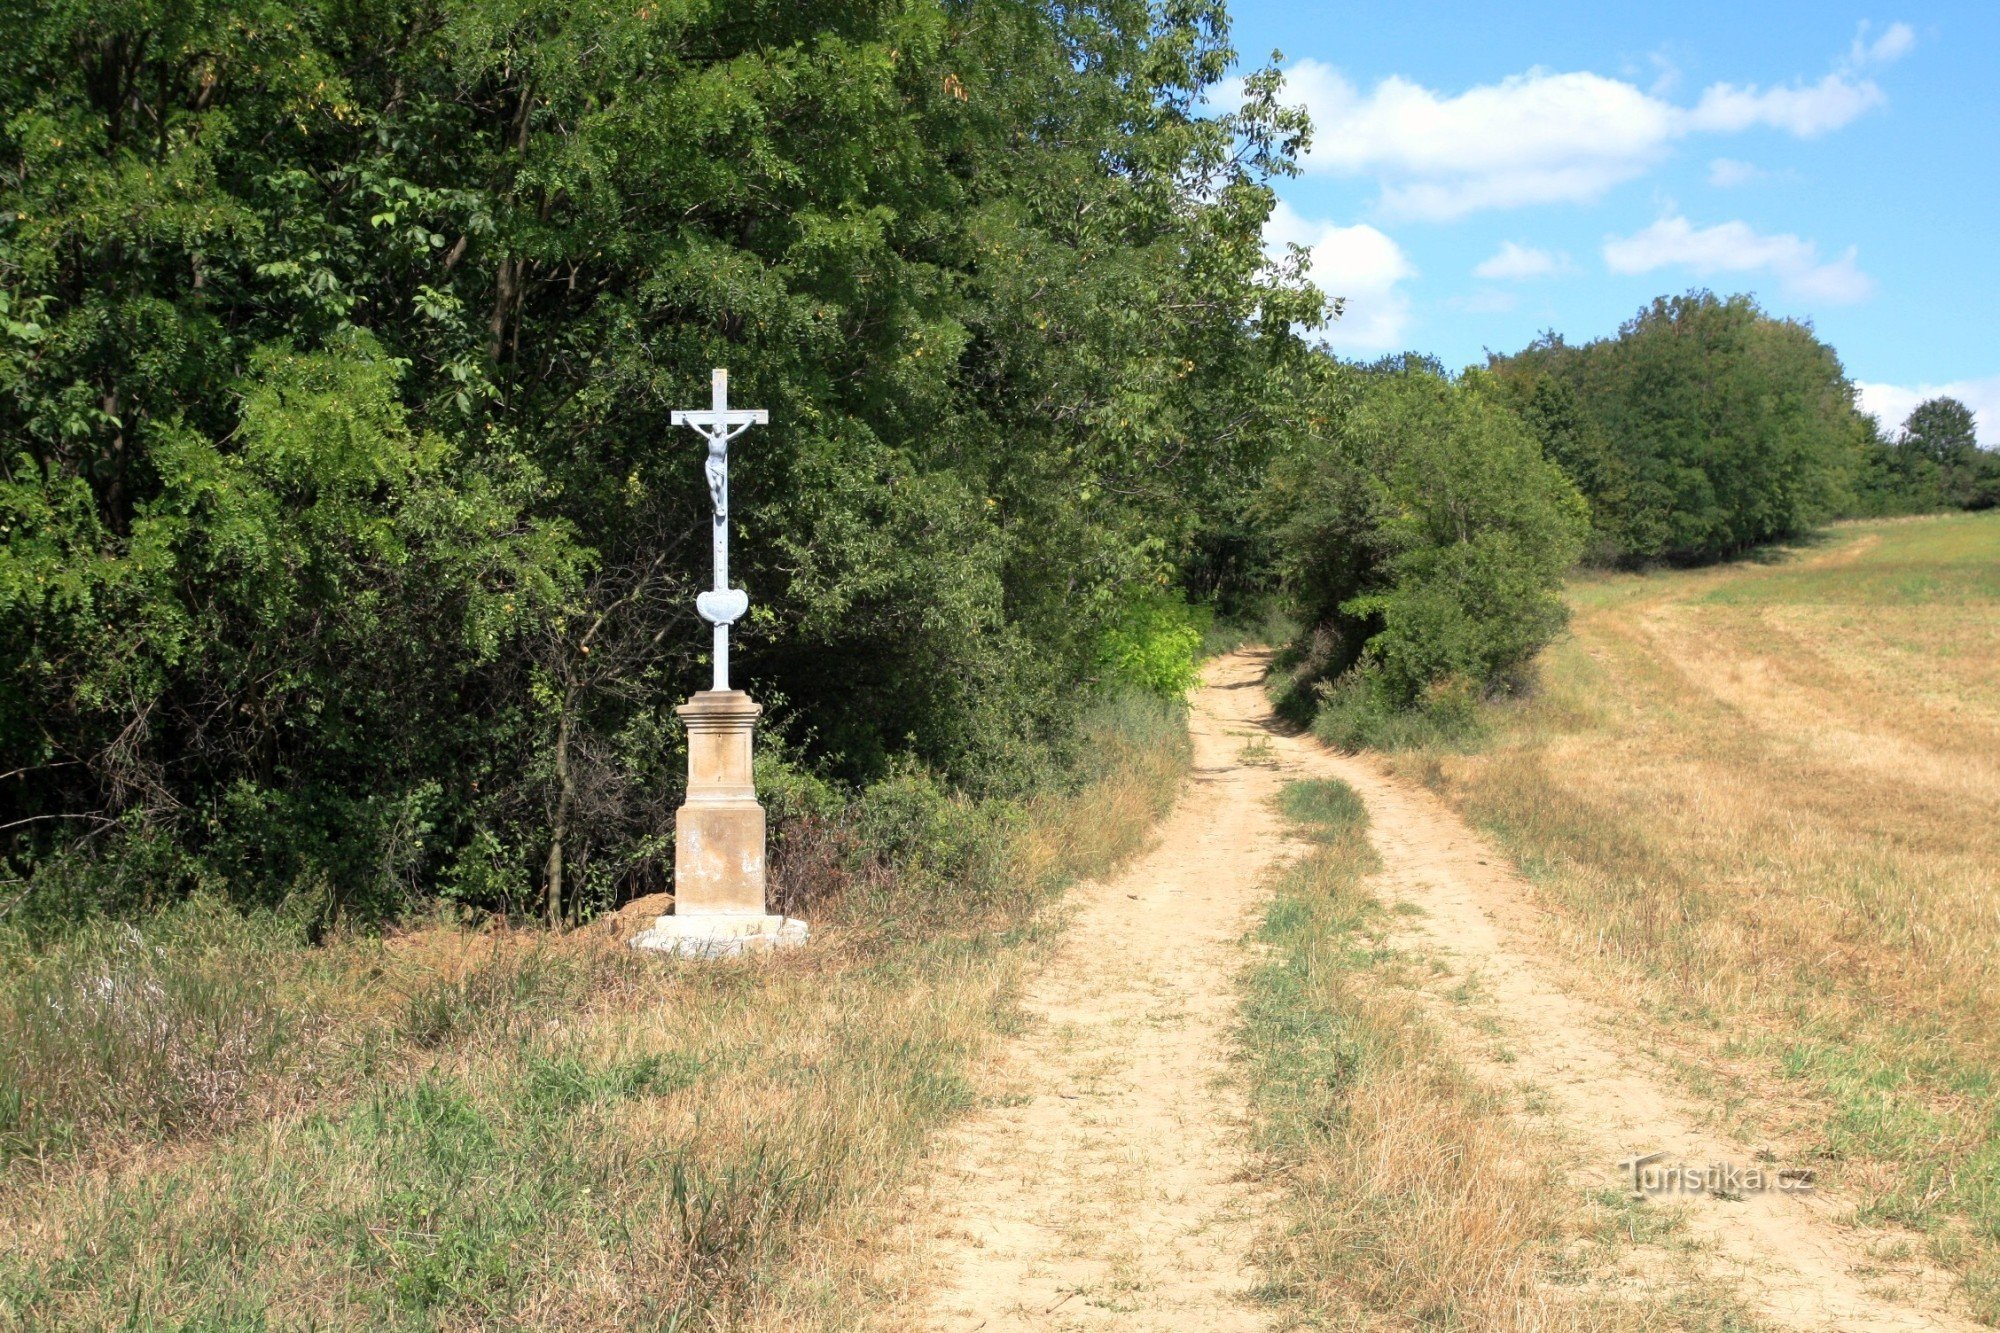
column 1351, row 716
column 1154, row 644
column 942, row 849
column 1424, row 538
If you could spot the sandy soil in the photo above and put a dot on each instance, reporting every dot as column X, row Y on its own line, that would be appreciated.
column 1106, row 1186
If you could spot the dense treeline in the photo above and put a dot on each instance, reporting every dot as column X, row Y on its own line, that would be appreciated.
column 1707, row 427
column 348, row 549
column 347, row 555
column 1933, row 462
column 1704, row 428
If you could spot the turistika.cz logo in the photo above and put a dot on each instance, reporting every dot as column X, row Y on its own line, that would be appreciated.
column 1725, row 1180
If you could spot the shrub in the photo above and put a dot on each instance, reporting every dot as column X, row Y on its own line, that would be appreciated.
column 1154, row 643
column 1425, row 538
column 1353, row 716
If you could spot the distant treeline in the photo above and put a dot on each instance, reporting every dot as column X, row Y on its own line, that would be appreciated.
column 1707, row 427
column 1419, row 534
column 1933, row 462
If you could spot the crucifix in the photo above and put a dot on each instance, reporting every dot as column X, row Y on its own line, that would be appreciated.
column 722, row 605
column 720, row 905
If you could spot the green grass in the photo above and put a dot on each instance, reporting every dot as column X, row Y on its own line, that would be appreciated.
column 1328, row 808
column 454, row 1129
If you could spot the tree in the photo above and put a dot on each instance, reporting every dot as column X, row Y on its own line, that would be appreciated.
column 339, row 503
column 1423, row 535
column 1942, row 430
column 1941, row 438
column 1722, row 427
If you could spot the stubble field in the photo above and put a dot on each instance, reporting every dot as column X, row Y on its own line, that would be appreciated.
column 1763, row 803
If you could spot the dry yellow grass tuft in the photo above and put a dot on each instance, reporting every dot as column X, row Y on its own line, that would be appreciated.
column 1765, row 798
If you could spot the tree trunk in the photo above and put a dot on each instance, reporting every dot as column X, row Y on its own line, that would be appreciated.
column 559, row 829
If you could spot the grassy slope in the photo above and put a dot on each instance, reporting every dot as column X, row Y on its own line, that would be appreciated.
column 462, row 1131
column 1766, row 800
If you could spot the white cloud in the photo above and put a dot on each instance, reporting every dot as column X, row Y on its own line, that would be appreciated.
column 1893, row 403
column 1359, row 264
column 1896, row 41
column 1544, row 136
column 1807, row 111
column 1537, row 137
column 1518, row 263
column 1726, row 173
column 1735, row 247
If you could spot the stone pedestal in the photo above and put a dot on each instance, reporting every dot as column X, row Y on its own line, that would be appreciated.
column 719, row 841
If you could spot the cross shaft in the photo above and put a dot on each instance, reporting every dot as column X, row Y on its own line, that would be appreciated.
column 721, row 606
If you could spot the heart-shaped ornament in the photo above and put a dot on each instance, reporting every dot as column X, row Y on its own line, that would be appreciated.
column 722, row 606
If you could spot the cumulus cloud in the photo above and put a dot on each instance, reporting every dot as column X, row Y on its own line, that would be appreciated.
column 1891, row 404
column 1726, row 173
column 1546, row 136
column 1538, row 137
column 1359, row 264
column 1518, row 263
column 1736, row 247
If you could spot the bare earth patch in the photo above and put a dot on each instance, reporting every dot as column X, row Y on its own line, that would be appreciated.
column 1107, row 1186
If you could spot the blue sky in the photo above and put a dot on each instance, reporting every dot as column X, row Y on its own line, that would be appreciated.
column 1483, row 172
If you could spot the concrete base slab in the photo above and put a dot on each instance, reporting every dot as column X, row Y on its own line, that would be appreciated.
column 720, row 934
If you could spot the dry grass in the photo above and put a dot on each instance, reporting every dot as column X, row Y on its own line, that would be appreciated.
column 1417, row 1199
column 518, row 1132
column 1764, row 798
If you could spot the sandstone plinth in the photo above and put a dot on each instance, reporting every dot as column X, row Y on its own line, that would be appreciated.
column 719, row 903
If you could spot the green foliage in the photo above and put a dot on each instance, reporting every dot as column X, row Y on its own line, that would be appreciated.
column 346, row 550
column 1350, row 716
column 935, row 838
column 1706, row 427
column 1154, row 644
column 1942, row 430
column 1933, row 463
column 1424, row 538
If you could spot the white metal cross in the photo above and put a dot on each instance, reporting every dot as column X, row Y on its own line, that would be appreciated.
column 721, row 606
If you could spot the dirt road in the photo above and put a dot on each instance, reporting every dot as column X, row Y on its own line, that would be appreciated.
column 1106, row 1186
column 1107, row 1189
